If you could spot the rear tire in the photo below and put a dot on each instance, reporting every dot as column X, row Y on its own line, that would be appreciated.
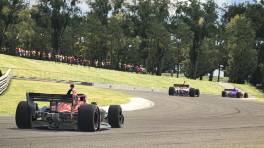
column 23, row 116
column 239, row 95
column 192, row 92
column 172, row 91
column 115, row 116
column 88, row 118
column 197, row 92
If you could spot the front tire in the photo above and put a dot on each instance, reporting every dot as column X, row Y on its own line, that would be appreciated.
column 224, row 94
column 115, row 116
column 88, row 118
column 23, row 116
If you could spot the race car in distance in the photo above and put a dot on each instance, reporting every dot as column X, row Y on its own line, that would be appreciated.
column 183, row 90
column 65, row 112
column 234, row 93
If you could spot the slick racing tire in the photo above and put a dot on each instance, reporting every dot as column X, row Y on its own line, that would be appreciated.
column 115, row 116
column 88, row 118
column 172, row 91
column 245, row 95
column 23, row 116
column 197, row 92
column 192, row 92
column 239, row 95
column 224, row 94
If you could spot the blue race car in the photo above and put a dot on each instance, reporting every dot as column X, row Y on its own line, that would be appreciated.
column 234, row 93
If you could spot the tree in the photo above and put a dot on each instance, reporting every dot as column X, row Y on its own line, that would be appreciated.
column 59, row 12
column 208, row 58
column 117, row 40
column 42, row 40
column 96, row 32
column 255, row 12
column 142, row 16
column 180, row 43
column 158, row 46
column 149, row 18
column 158, row 35
column 232, row 10
column 221, row 45
column 242, row 57
column 95, row 38
column 101, row 8
column 73, row 37
column 201, row 18
column 25, row 29
column 9, row 10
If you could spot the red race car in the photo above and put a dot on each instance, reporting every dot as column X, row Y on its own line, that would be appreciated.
column 66, row 112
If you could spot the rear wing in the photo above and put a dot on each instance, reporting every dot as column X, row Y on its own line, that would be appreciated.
column 41, row 97
column 31, row 97
column 230, row 89
column 181, row 85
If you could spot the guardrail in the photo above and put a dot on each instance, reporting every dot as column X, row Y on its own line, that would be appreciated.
column 4, row 81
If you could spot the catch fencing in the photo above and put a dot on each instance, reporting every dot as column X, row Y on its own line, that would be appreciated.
column 4, row 81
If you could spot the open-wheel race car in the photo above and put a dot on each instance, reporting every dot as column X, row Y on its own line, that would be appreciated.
column 65, row 112
column 234, row 93
column 183, row 90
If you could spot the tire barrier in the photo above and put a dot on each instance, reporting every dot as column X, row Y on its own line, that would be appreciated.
column 4, row 81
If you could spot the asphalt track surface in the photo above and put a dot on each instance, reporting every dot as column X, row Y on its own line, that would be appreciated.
column 207, row 121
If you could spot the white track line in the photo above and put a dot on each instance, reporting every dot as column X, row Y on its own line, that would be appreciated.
column 134, row 104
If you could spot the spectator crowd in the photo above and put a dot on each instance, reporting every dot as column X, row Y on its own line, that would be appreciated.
column 76, row 60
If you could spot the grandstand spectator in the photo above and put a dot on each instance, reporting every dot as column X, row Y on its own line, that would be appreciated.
column 77, row 60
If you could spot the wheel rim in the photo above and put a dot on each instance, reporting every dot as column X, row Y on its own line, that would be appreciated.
column 121, row 119
column 96, row 120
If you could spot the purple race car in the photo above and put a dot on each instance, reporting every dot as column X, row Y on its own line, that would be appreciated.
column 234, row 93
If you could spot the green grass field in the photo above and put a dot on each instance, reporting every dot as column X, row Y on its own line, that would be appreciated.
column 17, row 92
column 63, row 71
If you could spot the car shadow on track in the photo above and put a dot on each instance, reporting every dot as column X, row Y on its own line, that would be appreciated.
column 45, row 129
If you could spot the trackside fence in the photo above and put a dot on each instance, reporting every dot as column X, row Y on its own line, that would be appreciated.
column 4, row 81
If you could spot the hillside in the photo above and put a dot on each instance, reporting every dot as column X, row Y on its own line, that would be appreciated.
column 61, row 71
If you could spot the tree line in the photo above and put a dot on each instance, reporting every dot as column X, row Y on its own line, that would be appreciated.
column 191, row 37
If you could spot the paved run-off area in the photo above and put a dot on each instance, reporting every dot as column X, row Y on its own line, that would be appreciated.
column 207, row 121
